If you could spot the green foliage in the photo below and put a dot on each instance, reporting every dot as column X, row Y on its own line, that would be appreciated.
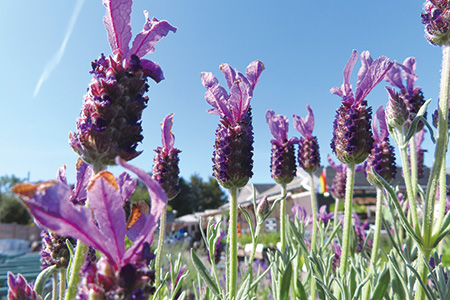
column 268, row 239
column 11, row 209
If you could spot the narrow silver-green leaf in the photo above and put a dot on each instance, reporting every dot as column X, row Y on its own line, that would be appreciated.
column 382, row 285
column 204, row 274
column 42, row 278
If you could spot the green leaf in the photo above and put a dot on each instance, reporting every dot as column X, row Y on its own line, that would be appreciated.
column 399, row 286
column 249, row 220
column 352, row 281
column 382, row 285
column 204, row 274
column 286, row 281
column 42, row 278
column 326, row 289
column 244, row 289
column 301, row 290
column 255, row 281
column 419, row 117
column 429, row 294
column 359, row 288
column 393, row 199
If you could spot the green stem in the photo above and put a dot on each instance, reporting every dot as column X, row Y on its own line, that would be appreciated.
column 442, row 193
column 255, row 240
column 423, row 272
column 314, row 229
column 232, row 232
column 283, row 218
column 62, row 282
column 409, row 188
column 347, row 218
column 376, row 240
column 440, row 152
column 54, row 286
column 336, row 210
column 77, row 263
column 162, row 233
column 414, row 170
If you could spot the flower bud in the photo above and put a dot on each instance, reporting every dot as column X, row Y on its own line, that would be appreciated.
column 263, row 208
column 396, row 111
column 436, row 18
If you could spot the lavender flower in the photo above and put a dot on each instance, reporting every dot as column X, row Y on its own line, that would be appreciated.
column 54, row 250
column 308, row 152
column 396, row 111
column 382, row 157
column 263, row 208
column 20, row 289
column 360, row 234
column 233, row 156
column 300, row 212
column 119, row 274
column 337, row 256
column 436, row 18
column 109, row 124
column 323, row 216
column 435, row 118
column 282, row 161
column 352, row 138
column 339, row 180
column 165, row 163
column 412, row 96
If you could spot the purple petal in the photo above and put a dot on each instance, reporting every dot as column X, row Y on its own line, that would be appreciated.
column 105, row 199
column 49, row 204
column 382, row 133
column 167, row 138
column 152, row 70
column 127, row 185
column 372, row 77
column 345, row 91
column 215, row 95
column 84, row 174
column 278, row 125
column 154, row 30
column 366, row 61
column 335, row 166
column 305, row 126
column 240, row 95
column 158, row 205
column 253, row 72
column 394, row 76
column 61, row 175
column 409, row 68
column 230, row 74
column 117, row 24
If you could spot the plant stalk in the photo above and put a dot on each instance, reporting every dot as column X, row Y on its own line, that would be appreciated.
column 232, row 247
column 162, row 234
column 77, row 263
column 347, row 218
column 283, row 218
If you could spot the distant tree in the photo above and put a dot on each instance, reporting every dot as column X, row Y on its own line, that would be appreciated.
column 11, row 209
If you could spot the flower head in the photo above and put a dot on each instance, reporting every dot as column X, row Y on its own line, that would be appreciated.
column 337, row 256
column 436, row 18
column 418, row 140
column 282, row 161
column 352, row 139
column 381, row 157
column 323, row 216
column 339, row 180
column 20, row 289
column 300, row 212
column 412, row 96
column 103, row 224
column 165, row 163
column 361, row 235
column 308, row 152
column 233, row 156
column 109, row 123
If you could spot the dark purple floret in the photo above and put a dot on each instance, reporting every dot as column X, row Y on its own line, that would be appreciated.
column 382, row 159
column 435, row 118
column 414, row 101
column 166, row 171
column 352, row 137
column 338, row 186
column 337, row 256
column 323, row 216
column 361, row 235
column 54, row 250
column 282, row 163
column 233, row 153
column 308, row 154
column 20, row 289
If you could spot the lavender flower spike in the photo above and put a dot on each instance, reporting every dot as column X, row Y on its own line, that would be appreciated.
column 102, row 226
column 282, row 161
column 308, row 152
column 109, row 124
column 412, row 96
column 20, row 289
column 436, row 19
column 352, row 139
column 382, row 156
column 165, row 163
column 233, row 157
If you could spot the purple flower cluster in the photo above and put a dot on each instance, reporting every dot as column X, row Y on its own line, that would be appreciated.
column 352, row 138
column 54, row 250
column 337, row 256
column 382, row 156
column 323, row 216
column 418, row 140
column 300, row 212
column 20, row 289
column 165, row 163
column 339, row 180
column 233, row 148
column 360, row 234
column 109, row 124
column 308, row 151
column 282, row 160
column 120, row 274
column 436, row 18
column 412, row 96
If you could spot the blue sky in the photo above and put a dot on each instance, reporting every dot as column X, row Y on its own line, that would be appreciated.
column 303, row 44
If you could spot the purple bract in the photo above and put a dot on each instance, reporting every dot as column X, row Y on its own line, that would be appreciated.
column 436, row 19
column 308, row 152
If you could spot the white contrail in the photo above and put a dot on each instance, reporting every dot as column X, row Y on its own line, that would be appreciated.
column 51, row 65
